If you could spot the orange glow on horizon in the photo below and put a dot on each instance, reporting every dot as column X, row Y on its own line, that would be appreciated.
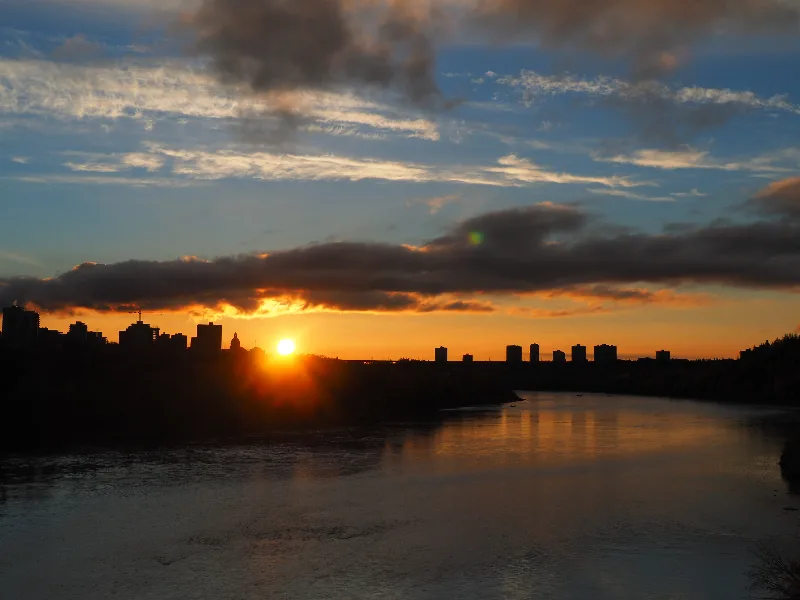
column 689, row 331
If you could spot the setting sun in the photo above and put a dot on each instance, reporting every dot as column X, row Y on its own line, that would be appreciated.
column 286, row 347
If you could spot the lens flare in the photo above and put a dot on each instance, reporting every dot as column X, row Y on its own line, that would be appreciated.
column 475, row 238
column 286, row 347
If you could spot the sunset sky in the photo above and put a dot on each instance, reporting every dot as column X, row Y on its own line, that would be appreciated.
column 374, row 178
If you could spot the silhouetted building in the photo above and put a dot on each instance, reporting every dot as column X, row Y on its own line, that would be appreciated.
column 236, row 345
column 172, row 344
column 179, row 341
column 138, row 337
column 20, row 327
column 467, row 358
column 534, row 356
column 79, row 335
column 208, row 340
column 50, row 339
column 78, row 332
column 514, row 354
column 440, row 354
column 578, row 353
column 94, row 338
column 605, row 354
column 663, row 356
column 559, row 356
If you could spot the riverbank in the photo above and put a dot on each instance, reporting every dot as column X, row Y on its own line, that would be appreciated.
column 109, row 399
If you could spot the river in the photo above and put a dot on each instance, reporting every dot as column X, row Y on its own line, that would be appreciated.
column 561, row 496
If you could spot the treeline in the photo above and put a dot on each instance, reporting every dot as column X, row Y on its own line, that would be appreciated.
column 104, row 396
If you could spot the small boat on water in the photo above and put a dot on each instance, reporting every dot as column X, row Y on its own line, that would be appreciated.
column 512, row 405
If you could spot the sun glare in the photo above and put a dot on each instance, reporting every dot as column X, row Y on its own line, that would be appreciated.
column 286, row 347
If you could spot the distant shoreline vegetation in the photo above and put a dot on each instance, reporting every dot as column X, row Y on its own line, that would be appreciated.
column 100, row 394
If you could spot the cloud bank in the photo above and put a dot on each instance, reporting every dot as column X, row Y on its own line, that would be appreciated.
column 543, row 248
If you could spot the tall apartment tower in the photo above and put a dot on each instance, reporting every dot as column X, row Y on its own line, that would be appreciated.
column 440, row 354
column 534, row 357
column 20, row 327
column 578, row 353
column 513, row 354
column 138, row 337
column 559, row 356
column 208, row 340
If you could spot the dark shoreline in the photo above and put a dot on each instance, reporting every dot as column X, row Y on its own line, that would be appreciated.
column 106, row 397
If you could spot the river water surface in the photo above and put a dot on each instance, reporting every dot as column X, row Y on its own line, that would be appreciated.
column 562, row 496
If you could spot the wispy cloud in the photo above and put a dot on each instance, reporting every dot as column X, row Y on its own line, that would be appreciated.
column 535, row 85
column 523, row 170
column 146, row 5
column 694, row 193
column 509, row 171
column 130, row 90
column 94, row 167
column 437, row 203
column 19, row 258
column 21, row 160
column 689, row 158
column 104, row 180
column 629, row 194
column 115, row 163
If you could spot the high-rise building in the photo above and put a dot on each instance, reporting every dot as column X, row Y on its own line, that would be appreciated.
column 138, row 337
column 440, row 354
column 578, row 353
column 208, row 340
column 78, row 332
column 534, row 356
column 605, row 354
column 179, row 341
column 20, row 327
column 559, row 356
column 663, row 356
column 467, row 358
column 514, row 354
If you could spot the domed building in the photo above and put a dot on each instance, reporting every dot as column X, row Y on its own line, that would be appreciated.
column 236, row 345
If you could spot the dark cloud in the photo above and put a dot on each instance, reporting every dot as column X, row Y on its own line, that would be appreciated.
column 540, row 248
column 624, row 295
column 649, row 33
column 288, row 45
column 781, row 198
